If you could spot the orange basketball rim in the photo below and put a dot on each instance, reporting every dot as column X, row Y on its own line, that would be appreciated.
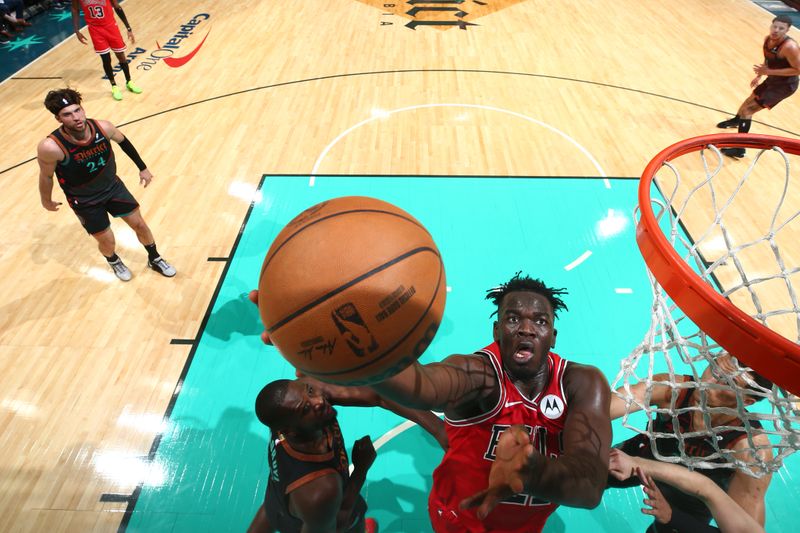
column 769, row 353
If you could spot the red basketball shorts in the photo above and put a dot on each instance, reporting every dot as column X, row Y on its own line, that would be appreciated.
column 105, row 38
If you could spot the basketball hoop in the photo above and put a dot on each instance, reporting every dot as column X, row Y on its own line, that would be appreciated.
column 725, row 278
column 769, row 353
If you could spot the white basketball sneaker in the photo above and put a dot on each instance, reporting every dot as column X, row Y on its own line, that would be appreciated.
column 162, row 267
column 121, row 271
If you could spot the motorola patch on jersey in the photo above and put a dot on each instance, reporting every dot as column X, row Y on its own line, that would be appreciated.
column 551, row 406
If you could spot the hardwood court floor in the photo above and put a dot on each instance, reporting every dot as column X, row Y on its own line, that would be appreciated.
column 87, row 364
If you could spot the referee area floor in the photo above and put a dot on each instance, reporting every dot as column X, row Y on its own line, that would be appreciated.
column 210, row 467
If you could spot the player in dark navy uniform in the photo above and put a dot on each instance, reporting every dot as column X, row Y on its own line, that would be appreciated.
column 678, row 511
column 80, row 154
column 310, row 488
column 781, row 66
column 557, row 409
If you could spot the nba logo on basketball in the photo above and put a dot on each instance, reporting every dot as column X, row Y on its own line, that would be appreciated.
column 354, row 330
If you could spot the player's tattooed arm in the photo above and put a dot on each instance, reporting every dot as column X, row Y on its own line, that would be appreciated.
column 460, row 386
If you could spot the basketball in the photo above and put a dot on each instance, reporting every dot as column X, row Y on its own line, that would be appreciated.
column 352, row 290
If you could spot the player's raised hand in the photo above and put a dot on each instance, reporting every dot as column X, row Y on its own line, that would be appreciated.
column 508, row 473
column 620, row 464
column 659, row 506
column 364, row 453
column 253, row 297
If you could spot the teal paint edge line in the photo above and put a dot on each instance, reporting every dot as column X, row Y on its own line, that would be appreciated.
column 131, row 507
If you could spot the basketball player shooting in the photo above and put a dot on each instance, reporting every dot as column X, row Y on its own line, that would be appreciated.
column 557, row 412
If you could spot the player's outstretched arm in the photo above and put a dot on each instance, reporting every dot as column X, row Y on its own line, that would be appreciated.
column 444, row 387
column 729, row 515
column 367, row 397
column 460, row 386
column 748, row 491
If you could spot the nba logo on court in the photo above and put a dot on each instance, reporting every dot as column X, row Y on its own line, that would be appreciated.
column 552, row 406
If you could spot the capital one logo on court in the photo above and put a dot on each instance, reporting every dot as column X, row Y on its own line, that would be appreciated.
column 146, row 60
column 438, row 14
column 175, row 43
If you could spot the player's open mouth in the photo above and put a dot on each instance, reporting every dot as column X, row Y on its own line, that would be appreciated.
column 523, row 354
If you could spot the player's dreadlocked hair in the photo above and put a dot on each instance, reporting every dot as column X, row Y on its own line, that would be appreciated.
column 57, row 100
column 269, row 404
column 528, row 284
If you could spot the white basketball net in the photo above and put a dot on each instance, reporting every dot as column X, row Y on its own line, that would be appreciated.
column 749, row 270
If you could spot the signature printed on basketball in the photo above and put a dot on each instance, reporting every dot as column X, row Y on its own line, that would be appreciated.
column 317, row 344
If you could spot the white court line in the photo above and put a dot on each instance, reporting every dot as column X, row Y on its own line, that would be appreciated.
column 389, row 435
column 392, row 433
column 623, row 290
column 583, row 257
column 385, row 114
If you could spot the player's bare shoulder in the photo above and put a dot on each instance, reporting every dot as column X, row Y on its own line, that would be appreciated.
column 48, row 151
column 584, row 374
column 580, row 380
column 109, row 128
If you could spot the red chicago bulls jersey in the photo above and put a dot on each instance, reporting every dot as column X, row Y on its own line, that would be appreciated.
column 98, row 12
column 465, row 467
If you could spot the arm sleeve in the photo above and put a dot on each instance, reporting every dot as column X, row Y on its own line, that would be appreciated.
column 122, row 17
column 131, row 152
